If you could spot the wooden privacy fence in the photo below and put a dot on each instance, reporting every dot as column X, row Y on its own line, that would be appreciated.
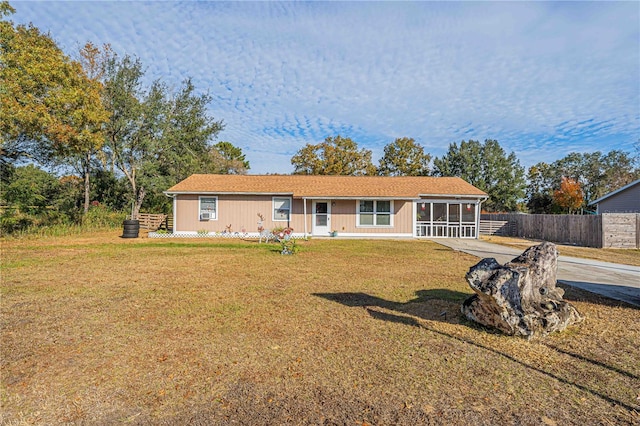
column 152, row 221
column 611, row 230
column 621, row 230
column 497, row 227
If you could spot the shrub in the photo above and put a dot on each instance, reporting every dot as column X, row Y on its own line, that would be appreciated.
column 99, row 216
column 286, row 240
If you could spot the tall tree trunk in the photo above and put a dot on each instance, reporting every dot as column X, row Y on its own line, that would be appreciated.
column 138, row 204
column 86, row 171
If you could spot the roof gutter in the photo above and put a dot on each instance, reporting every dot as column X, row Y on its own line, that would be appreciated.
column 332, row 197
column 174, row 193
column 479, row 198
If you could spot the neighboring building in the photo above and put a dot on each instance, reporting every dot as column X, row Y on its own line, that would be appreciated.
column 623, row 200
column 352, row 206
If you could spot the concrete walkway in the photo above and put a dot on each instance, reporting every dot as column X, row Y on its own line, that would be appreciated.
column 613, row 280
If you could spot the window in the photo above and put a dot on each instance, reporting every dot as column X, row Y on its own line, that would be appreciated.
column 423, row 213
column 469, row 213
column 281, row 208
column 375, row 212
column 454, row 213
column 208, row 208
column 440, row 212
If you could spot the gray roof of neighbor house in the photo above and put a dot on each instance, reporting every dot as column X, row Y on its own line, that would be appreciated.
column 315, row 186
column 617, row 191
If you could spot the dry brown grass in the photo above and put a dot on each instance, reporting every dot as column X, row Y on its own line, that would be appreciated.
column 623, row 256
column 100, row 330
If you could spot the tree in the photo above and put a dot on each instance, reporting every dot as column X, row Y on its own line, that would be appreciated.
column 335, row 156
column 29, row 197
column 569, row 196
column 154, row 138
column 619, row 168
column 404, row 157
column 109, row 190
column 541, row 179
column 186, row 132
column 228, row 159
column 81, row 155
column 486, row 166
column 31, row 189
column 50, row 108
column 596, row 173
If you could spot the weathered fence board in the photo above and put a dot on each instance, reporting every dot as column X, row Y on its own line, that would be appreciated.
column 496, row 227
column 151, row 221
column 620, row 230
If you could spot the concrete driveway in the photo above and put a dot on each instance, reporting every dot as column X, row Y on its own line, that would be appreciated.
column 613, row 280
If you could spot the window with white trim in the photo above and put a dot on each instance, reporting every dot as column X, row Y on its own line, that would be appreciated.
column 281, row 209
column 375, row 213
column 208, row 208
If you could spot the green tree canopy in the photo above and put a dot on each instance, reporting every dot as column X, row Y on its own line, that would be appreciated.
column 227, row 159
column 486, row 166
column 404, row 157
column 335, row 156
column 540, row 179
column 595, row 172
column 31, row 197
column 31, row 189
column 49, row 107
column 155, row 138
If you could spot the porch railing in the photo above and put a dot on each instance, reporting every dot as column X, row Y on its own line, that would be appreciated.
column 446, row 230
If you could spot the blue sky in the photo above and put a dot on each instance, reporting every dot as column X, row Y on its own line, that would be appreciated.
column 542, row 78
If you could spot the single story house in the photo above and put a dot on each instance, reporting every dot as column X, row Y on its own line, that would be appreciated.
column 351, row 206
column 623, row 200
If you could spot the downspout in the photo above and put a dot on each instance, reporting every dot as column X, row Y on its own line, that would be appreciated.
column 175, row 216
column 304, row 209
column 173, row 207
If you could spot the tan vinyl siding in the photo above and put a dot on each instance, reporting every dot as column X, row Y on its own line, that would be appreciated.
column 241, row 212
column 344, row 218
column 186, row 213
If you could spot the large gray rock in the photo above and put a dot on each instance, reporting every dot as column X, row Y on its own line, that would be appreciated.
column 520, row 297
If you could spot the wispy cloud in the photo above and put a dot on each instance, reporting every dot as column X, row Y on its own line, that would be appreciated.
column 542, row 78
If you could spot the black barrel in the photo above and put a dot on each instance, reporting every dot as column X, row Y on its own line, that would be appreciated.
column 131, row 228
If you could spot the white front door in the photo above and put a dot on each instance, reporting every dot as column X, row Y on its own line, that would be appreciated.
column 321, row 218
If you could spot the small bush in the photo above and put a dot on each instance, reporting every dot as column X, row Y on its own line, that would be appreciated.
column 99, row 216
column 286, row 240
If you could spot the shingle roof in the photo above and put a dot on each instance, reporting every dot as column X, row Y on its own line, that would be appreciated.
column 310, row 186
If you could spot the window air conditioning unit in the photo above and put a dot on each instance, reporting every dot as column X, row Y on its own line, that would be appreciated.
column 205, row 216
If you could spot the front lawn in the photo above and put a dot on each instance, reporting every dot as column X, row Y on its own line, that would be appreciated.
column 100, row 330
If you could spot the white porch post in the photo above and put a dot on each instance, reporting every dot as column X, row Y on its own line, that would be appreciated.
column 478, row 209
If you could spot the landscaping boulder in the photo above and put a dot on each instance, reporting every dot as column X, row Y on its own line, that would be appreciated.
column 520, row 297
